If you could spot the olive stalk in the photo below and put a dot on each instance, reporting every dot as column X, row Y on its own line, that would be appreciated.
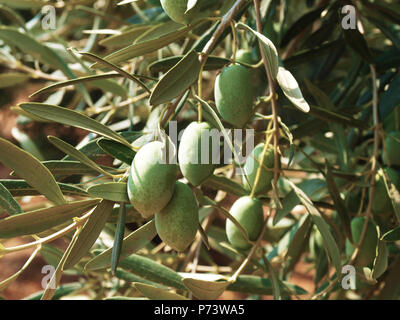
column 374, row 165
column 272, row 92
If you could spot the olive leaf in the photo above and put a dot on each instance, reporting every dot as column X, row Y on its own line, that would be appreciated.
column 291, row 89
column 30, row 169
column 7, row 202
column 72, row 118
column 177, row 80
column 206, row 289
column 322, row 226
column 113, row 191
column 269, row 49
column 11, row 79
column 40, row 220
column 142, row 48
column 89, row 233
column 75, row 153
column 155, row 293
column 131, row 244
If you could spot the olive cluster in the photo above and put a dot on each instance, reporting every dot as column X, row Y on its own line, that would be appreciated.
column 153, row 188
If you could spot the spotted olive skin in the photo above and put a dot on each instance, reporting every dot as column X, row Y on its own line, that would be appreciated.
column 176, row 9
column 177, row 223
column 251, row 166
column 234, row 93
column 151, row 181
column 191, row 151
column 249, row 213
column 367, row 251
column 392, row 154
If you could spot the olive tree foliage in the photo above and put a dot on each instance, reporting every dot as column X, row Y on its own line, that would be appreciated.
column 316, row 81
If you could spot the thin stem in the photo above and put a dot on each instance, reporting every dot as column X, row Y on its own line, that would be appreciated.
column 374, row 166
column 272, row 92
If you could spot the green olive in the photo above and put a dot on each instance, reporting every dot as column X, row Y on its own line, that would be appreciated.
column 367, row 251
column 177, row 223
column 392, row 154
column 245, row 56
column 251, row 167
column 151, row 180
column 191, row 150
column 249, row 213
column 233, row 93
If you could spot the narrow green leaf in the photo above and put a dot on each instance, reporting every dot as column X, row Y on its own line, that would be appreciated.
column 206, row 289
column 297, row 242
column 37, row 221
column 152, row 271
column 177, row 80
column 7, row 202
column 70, row 82
column 257, row 285
column 61, row 291
column 131, row 244
column 381, row 259
column 118, row 238
column 89, row 233
column 341, row 207
column 323, row 228
column 117, row 150
column 113, row 191
column 30, row 46
column 112, row 66
column 68, row 167
column 155, row 293
column 51, row 254
column 291, row 89
column 163, row 65
column 218, row 182
column 19, row 188
column 56, row 276
column 142, row 48
column 269, row 49
column 126, row 37
column 30, row 169
column 75, row 153
column 311, row 187
column 12, row 79
column 72, row 118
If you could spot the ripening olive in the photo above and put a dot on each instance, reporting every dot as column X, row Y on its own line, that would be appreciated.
column 177, row 223
column 195, row 153
column 151, row 180
column 251, row 167
column 233, row 93
column 249, row 213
